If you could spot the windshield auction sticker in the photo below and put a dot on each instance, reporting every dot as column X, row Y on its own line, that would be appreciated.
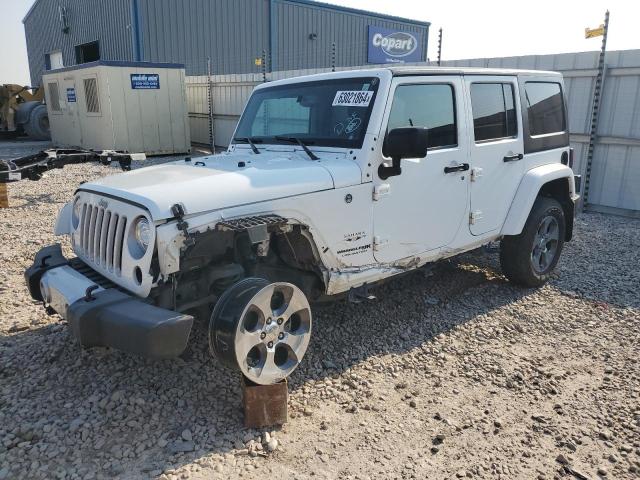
column 352, row 98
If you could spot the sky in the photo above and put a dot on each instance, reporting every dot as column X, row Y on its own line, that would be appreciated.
column 471, row 29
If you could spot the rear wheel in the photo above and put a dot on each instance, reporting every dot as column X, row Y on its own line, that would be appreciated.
column 261, row 328
column 529, row 258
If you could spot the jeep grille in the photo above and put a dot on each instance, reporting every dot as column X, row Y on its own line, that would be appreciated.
column 102, row 236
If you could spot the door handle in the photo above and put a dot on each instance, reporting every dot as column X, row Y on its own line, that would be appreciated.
column 463, row 167
column 513, row 158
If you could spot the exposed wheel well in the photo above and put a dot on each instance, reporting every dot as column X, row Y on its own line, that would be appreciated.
column 218, row 257
column 559, row 190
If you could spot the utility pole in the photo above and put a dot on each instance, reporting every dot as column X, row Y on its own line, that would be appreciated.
column 597, row 98
column 439, row 45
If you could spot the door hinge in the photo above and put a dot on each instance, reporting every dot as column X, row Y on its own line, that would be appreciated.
column 381, row 190
column 379, row 243
column 474, row 217
column 476, row 173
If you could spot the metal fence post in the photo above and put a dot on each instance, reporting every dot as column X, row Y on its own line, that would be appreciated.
column 439, row 45
column 595, row 111
column 333, row 56
column 264, row 66
column 212, row 143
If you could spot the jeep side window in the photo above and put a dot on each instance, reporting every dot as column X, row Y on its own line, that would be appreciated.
column 428, row 105
column 494, row 113
column 545, row 108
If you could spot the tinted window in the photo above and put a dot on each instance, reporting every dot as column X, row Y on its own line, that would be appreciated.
column 431, row 106
column 494, row 114
column 545, row 108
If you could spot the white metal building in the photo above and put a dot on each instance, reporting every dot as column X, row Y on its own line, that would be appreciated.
column 134, row 107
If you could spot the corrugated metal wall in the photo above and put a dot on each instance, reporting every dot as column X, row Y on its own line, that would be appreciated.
column 232, row 33
column 88, row 20
column 295, row 22
column 615, row 176
column 189, row 31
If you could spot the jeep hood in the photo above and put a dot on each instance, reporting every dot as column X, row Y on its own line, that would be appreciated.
column 226, row 180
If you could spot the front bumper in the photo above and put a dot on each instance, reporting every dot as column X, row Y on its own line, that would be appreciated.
column 105, row 317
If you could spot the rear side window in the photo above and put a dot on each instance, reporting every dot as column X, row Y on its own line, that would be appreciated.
column 494, row 113
column 545, row 108
column 428, row 105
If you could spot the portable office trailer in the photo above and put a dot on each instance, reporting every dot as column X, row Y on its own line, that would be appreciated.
column 134, row 107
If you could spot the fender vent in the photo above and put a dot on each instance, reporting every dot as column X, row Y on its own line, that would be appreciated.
column 246, row 223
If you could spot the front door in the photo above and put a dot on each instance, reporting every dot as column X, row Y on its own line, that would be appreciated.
column 496, row 148
column 73, row 136
column 424, row 207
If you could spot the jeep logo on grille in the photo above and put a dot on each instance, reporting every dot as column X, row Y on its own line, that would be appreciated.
column 103, row 203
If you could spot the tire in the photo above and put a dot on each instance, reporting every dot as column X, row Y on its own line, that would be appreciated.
column 528, row 259
column 38, row 125
column 261, row 329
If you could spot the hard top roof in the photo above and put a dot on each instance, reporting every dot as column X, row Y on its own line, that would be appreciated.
column 426, row 70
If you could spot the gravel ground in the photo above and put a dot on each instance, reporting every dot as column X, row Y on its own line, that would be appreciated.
column 452, row 373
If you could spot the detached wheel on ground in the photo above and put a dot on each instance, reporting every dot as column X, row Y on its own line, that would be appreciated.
column 529, row 258
column 38, row 125
column 261, row 329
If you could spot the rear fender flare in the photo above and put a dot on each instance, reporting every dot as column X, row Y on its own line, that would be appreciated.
column 528, row 190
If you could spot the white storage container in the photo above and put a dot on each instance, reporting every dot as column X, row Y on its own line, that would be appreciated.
column 134, row 107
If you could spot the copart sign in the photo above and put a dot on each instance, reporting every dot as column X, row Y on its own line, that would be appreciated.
column 393, row 46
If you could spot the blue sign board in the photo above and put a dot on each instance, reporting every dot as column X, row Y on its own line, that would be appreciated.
column 145, row 81
column 71, row 95
column 393, row 46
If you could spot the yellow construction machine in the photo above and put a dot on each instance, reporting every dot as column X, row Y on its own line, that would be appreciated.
column 22, row 111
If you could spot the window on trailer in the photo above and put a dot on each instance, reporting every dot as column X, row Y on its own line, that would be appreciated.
column 91, row 95
column 54, row 96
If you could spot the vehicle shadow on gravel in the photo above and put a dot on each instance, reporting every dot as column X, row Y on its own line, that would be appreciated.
column 122, row 415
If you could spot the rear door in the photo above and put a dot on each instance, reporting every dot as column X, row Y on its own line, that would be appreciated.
column 496, row 147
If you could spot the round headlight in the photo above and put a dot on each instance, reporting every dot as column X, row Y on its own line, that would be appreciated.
column 76, row 212
column 142, row 233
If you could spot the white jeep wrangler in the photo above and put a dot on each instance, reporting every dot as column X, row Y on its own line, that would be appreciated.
column 333, row 182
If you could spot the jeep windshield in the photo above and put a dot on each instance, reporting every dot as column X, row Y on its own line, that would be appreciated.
column 331, row 113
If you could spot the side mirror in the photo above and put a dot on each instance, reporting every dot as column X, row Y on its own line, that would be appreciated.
column 405, row 142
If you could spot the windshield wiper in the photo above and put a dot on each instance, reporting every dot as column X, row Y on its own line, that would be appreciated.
column 250, row 141
column 312, row 155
